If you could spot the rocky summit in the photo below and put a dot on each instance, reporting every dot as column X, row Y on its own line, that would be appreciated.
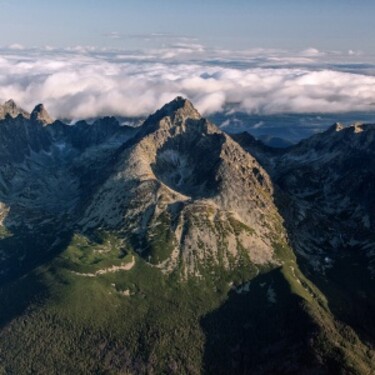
column 10, row 108
column 40, row 114
column 187, row 182
column 173, row 247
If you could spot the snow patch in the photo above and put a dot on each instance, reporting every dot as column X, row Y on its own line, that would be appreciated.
column 271, row 295
column 61, row 146
column 245, row 288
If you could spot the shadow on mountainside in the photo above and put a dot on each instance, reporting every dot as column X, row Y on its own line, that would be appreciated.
column 263, row 331
column 347, row 285
column 190, row 173
column 24, row 251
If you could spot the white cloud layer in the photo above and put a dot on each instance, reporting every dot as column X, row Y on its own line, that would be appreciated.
column 83, row 82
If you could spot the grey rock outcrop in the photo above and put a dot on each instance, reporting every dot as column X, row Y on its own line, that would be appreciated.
column 184, row 170
column 40, row 114
column 10, row 108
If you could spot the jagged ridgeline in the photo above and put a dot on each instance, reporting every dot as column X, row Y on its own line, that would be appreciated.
column 172, row 247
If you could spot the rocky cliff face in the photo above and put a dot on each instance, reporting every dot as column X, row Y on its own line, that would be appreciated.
column 40, row 114
column 181, row 179
column 178, row 176
column 10, row 108
column 187, row 182
column 46, row 174
column 330, row 179
column 326, row 186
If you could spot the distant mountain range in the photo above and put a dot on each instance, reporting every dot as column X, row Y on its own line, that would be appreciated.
column 284, row 129
column 174, row 247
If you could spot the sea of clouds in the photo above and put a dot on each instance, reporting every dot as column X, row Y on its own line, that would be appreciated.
column 84, row 82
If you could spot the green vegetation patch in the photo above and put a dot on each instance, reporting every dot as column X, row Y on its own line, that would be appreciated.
column 160, row 240
column 142, row 321
column 239, row 226
column 4, row 232
column 98, row 250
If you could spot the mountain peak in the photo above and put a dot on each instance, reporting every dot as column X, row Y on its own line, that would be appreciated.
column 357, row 127
column 177, row 111
column 10, row 104
column 39, row 113
column 180, row 103
column 179, row 106
column 12, row 109
column 336, row 127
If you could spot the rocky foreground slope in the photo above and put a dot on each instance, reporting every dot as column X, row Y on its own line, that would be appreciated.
column 173, row 247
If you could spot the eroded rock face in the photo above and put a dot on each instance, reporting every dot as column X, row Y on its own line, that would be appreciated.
column 177, row 188
column 46, row 175
column 10, row 108
column 329, row 179
column 181, row 170
column 179, row 178
column 191, row 184
column 40, row 114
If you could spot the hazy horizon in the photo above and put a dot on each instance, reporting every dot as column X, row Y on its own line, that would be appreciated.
column 243, row 24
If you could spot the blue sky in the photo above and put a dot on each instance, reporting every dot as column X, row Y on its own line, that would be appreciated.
column 287, row 24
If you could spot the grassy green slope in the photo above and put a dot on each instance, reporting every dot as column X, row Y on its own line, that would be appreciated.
column 58, row 319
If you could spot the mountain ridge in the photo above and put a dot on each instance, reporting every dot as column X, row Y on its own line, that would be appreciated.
column 126, row 240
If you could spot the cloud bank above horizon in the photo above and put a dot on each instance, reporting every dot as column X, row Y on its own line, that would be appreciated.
column 83, row 82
